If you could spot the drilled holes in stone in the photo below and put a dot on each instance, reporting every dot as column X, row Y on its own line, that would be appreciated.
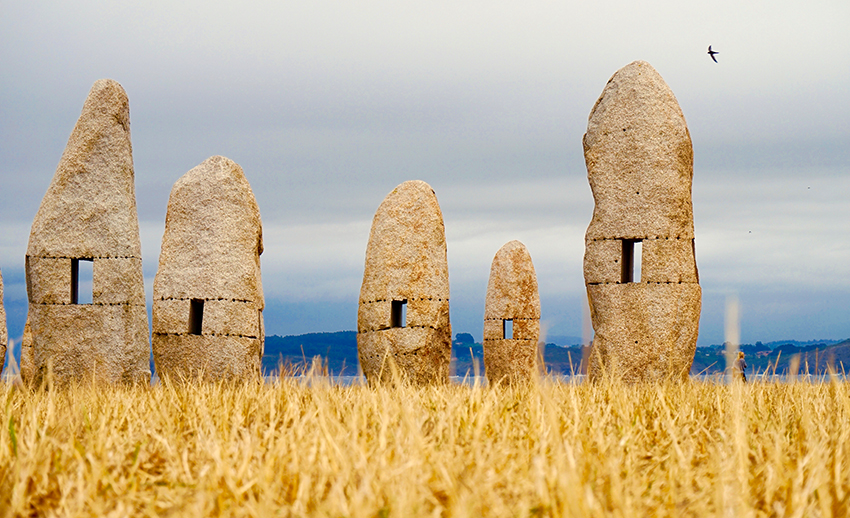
column 196, row 316
column 398, row 313
column 82, row 276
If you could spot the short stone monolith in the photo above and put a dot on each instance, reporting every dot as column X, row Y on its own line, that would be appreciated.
column 208, row 293
column 403, row 316
column 96, row 332
column 511, row 317
column 639, row 263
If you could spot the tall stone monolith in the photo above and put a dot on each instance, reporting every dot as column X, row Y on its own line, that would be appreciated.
column 639, row 263
column 511, row 317
column 208, row 293
column 88, row 215
column 4, row 334
column 403, row 316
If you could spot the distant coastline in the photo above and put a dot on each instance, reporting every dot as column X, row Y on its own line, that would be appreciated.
column 337, row 353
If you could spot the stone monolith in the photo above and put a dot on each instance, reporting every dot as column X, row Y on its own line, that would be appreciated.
column 27, row 355
column 208, row 293
column 4, row 334
column 511, row 317
column 640, row 167
column 403, row 317
column 96, row 332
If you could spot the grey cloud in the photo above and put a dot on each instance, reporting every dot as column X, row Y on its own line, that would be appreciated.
column 327, row 106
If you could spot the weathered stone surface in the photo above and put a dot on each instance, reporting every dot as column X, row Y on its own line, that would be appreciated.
column 89, row 213
column 4, row 334
column 27, row 354
column 640, row 167
column 406, row 263
column 211, row 253
column 511, row 295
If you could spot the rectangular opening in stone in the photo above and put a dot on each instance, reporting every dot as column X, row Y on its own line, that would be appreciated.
column 196, row 316
column 399, row 313
column 82, row 272
column 631, row 260
column 637, row 259
column 508, row 329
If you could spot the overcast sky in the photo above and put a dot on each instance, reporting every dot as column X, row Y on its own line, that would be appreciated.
column 328, row 105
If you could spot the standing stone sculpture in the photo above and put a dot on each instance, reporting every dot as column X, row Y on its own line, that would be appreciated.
column 4, row 334
column 208, row 293
column 88, row 216
column 403, row 316
column 27, row 355
column 511, row 317
column 640, row 167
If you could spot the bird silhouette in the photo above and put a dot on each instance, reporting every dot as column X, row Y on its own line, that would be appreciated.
column 712, row 53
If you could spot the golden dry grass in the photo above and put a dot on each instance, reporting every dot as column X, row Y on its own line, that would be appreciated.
column 313, row 449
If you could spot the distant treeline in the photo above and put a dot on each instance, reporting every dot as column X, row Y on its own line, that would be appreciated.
column 814, row 358
column 337, row 353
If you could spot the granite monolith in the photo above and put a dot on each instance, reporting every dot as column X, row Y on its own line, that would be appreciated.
column 27, row 355
column 511, row 317
column 403, row 315
column 639, row 263
column 96, row 331
column 208, row 293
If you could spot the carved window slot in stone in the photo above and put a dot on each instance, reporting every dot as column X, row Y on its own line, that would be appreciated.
column 631, row 260
column 196, row 316
column 508, row 329
column 82, row 274
column 398, row 318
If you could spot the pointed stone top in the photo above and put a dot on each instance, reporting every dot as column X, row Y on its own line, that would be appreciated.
column 89, row 209
column 406, row 254
column 512, row 290
column 639, row 159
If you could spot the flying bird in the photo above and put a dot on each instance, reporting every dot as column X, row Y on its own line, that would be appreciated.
column 712, row 53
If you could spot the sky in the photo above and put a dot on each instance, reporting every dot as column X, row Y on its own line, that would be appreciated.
column 328, row 105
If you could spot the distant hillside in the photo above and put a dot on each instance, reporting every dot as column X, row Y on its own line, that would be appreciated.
column 338, row 352
column 563, row 340
column 797, row 343
column 814, row 357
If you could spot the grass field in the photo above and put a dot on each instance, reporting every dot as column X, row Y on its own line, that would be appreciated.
column 309, row 448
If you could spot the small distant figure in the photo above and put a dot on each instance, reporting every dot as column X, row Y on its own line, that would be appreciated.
column 712, row 53
column 740, row 366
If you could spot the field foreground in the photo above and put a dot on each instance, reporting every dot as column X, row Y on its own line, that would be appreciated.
column 298, row 448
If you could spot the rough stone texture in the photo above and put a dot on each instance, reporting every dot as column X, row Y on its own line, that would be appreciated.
column 210, row 252
column 4, row 335
column 511, row 295
column 27, row 355
column 89, row 212
column 406, row 260
column 640, row 167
